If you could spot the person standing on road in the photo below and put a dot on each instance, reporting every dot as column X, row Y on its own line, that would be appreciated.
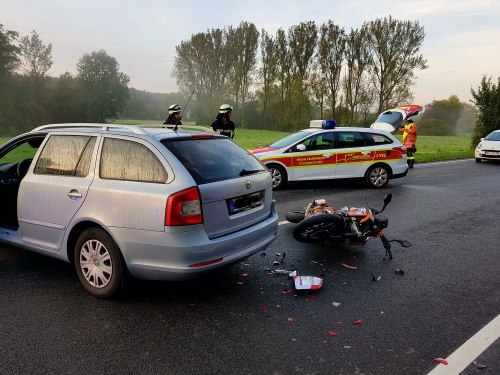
column 174, row 118
column 223, row 124
column 409, row 133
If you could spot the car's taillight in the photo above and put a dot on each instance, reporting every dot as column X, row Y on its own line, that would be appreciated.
column 184, row 208
column 401, row 149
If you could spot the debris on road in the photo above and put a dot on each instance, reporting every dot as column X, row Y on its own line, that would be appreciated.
column 376, row 278
column 307, row 282
column 441, row 360
column 350, row 267
column 287, row 291
column 357, row 321
column 399, row 272
column 335, row 304
column 481, row 367
column 291, row 320
column 331, row 333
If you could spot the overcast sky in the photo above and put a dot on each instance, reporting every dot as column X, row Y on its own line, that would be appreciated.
column 462, row 36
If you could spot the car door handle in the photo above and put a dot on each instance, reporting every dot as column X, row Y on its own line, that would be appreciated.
column 73, row 194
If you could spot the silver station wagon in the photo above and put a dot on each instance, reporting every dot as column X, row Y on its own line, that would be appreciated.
column 155, row 203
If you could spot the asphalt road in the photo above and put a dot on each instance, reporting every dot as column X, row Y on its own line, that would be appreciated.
column 228, row 323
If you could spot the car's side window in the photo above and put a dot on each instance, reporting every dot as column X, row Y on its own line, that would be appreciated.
column 374, row 139
column 323, row 141
column 131, row 161
column 66, row 155
column 350, row 140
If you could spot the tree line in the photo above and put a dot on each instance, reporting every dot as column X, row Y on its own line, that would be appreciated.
column 276, row 82
column 305, row 72
column 29, row 97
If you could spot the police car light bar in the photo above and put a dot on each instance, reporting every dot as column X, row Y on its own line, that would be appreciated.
column 323, row 124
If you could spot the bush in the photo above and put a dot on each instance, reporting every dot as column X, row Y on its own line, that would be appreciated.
column 433, row 126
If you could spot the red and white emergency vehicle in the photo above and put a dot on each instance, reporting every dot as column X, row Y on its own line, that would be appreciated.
column 326, row 151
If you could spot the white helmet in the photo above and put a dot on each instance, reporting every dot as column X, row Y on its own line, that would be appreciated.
column 174, row 108
column 225, row 108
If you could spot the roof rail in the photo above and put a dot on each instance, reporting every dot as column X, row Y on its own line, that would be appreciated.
column 133, row 128
column 180, row 127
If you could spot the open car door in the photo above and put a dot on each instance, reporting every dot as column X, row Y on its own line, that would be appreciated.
column 392, row 119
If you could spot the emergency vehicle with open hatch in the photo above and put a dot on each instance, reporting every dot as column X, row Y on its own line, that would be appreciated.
column 326, row 151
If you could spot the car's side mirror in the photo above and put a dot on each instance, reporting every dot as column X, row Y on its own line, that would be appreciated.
column 301, row 147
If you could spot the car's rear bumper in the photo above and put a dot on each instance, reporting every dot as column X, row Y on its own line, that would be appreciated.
column 170, row 255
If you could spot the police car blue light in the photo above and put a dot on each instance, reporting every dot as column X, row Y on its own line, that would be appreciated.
column 323, row 124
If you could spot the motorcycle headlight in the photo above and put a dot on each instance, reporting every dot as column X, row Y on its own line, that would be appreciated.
column 383, row 222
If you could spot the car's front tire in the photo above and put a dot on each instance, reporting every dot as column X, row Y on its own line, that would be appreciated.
column 478, row 160
column 98, row 263
column 278, row 176
column 377, row 176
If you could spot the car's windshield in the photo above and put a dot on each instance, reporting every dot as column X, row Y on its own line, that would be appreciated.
column 289, row 139
column 494, row 136
column 393, row 118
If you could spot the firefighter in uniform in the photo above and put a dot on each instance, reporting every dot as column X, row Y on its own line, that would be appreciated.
column 409, row 133
column 223, row 124
column 174, row 118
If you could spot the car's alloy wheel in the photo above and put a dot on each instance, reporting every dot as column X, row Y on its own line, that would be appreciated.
column 377, row 177
column 279, row 177
column 98, row 263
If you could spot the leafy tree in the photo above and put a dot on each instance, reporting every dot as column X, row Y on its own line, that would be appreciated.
column 395, row 47
column 302, row 40
column 9, row 53
column 204, row 64
column 36, row 61
column 358, row 59
column 104, row 86
column 435, row 126
column 268, row 70
column 448, row 110
column 331, row 56
column 243, row 45
column 487, row 101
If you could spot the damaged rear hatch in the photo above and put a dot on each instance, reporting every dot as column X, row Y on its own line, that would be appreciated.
column 235, row 187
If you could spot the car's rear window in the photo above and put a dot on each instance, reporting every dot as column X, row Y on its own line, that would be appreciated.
column 212, row 160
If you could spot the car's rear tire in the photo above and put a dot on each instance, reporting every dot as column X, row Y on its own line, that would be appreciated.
column 278, row 176
column 377, row 176
column 318, row 228
column 98, row 263
column 295, row 216
column 478, row 160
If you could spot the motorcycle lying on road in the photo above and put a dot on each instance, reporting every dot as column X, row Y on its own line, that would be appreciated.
column 319, row 223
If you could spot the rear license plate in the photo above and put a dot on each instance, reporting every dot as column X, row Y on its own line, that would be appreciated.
column 244, row 203
column 491, row 153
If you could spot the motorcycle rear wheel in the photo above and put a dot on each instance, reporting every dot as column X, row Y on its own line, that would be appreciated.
column 318, row 228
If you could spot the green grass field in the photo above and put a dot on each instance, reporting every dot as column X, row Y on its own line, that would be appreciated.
column 429, row 148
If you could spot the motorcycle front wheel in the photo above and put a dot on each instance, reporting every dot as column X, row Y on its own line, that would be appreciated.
column 318, row 228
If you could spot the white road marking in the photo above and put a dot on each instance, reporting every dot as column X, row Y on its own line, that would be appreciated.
column 470, row 350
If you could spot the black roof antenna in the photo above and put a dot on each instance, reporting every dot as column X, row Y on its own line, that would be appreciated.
column 192, row 92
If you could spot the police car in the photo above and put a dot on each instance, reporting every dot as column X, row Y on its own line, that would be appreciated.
column 327, row 151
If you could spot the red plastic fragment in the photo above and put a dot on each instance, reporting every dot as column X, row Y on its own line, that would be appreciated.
column 325, row 342
column 481, row 367
column 441, row 360
column 264, row 308
column 259, row 288
column 245, row 275
column 278, row 306
column 312, row 297
column 287, row 291
column 331, row 333
column 291, row 320
column 357, row 321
